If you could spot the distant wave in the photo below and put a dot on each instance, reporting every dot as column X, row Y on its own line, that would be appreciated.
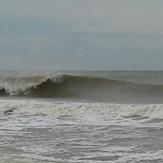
column 56, row 86
column 80, row 87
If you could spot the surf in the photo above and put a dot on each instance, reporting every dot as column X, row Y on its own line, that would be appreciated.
column 81, row 87
column 78, row 109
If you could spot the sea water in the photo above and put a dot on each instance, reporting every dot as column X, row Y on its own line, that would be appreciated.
column 118, row 118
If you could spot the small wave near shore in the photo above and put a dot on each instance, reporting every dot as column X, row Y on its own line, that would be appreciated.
column 39, row 107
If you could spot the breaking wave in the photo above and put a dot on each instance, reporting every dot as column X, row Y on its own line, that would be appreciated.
column 78, row 109
column 80, row 87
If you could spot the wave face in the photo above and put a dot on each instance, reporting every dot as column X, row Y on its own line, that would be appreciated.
column 80, row 87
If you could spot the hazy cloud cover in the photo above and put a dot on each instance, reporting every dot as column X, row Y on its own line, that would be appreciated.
column 81, row 34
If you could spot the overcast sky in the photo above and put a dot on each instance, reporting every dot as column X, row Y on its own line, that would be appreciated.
column 81, row 34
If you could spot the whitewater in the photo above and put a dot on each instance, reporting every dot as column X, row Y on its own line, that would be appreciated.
column 78, row 117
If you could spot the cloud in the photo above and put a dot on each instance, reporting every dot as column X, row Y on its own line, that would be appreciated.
column 81, row 34
column 91, row 15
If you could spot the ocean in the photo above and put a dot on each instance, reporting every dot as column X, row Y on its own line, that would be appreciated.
column 81, row 117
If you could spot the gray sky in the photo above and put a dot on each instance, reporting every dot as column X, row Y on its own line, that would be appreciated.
column 81, row 34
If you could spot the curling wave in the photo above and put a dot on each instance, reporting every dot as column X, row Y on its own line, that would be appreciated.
column 80, row 87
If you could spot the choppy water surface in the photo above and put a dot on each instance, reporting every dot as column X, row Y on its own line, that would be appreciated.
column 81, row 117
column 42, row 131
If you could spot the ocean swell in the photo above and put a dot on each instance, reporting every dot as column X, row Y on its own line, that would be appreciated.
column 80, row 87
column 56, row 86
